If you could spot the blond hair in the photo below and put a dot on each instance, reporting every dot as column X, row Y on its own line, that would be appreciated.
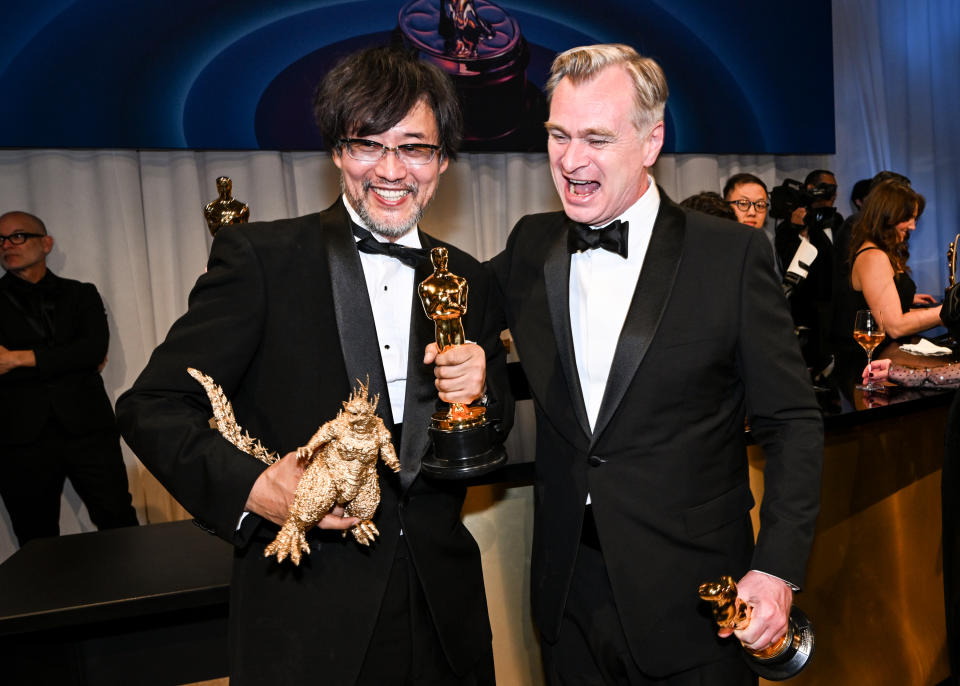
column 649, row 83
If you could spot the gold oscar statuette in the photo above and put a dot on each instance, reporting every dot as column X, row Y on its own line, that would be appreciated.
column 952, row 261
column 950, row 312
column 778, row 662
column 225, row 209
column 465, row 443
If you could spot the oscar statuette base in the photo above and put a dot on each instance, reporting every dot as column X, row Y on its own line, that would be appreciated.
column 793, row 657
column 461, row 454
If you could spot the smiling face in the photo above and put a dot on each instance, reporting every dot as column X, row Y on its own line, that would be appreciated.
column 752, row 192
column 598, row 158
column 389, row 195
column 904, row 228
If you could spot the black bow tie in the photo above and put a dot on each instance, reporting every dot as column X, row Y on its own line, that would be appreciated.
column 370, row 245
column 612, row 237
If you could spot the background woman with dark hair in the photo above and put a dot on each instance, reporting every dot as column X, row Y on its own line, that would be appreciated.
column 710, row 202
column 879, row 250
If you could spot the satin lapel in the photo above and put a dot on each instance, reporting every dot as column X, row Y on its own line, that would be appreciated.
column 421, row 396
column 355, row 323
column 654, row 285
column 556, row 276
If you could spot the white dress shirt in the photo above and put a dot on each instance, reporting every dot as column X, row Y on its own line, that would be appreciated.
column 390, row 287
column 601, row 289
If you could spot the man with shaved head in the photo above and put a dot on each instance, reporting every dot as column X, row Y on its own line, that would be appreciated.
column 56, row 421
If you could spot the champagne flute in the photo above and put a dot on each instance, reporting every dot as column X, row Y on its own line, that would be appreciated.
column 868, row 332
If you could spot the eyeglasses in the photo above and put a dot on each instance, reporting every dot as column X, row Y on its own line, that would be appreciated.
column 744, row 204
column 18, row 238
column 416, row 154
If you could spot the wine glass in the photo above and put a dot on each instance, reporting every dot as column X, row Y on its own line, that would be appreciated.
column 868, row 332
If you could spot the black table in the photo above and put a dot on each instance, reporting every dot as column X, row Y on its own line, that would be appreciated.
column 144, row 605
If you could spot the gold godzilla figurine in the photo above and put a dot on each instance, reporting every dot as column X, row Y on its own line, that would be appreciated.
column 341, row 467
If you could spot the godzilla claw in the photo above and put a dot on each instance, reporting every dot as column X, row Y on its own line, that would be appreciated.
column 365, row 532
column 288, row 543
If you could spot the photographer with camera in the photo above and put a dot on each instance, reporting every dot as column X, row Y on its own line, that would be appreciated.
column 804, row 246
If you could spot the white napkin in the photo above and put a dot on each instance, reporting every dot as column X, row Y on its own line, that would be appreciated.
column 925, row 347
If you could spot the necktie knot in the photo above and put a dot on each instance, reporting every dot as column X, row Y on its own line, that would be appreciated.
column 612, row 237
column 370, row 245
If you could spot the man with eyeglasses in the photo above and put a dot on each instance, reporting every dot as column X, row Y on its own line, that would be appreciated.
column 56, row 421
column 747, row 195
column 289, row 315
column 647, row 333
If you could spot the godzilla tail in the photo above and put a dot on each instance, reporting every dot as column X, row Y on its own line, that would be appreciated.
column 227, row 423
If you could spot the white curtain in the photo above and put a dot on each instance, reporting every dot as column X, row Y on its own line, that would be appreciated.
column 131, row 221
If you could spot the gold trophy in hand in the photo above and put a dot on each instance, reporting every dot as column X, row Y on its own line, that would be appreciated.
column 465, row 443
column 783, row 660
column 952, row 261
column 950, row 312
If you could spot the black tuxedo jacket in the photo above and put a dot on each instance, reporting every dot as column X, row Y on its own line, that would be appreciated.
column 707, row 341
column 69, row 346
column 282, row 321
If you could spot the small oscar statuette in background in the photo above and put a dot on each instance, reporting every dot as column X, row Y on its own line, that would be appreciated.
column 952, row 261
column 225, row 209
column 950, row 310
column 787, row 657
column 464, row 443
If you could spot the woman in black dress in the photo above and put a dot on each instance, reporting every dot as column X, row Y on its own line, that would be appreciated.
column 879, row 275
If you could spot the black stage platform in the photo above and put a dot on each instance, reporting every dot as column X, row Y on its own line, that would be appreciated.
column 143, row 605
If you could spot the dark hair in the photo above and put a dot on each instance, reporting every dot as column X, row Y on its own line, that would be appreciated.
column 370, row 91
column 887, row 205
column 886, row 175
column 860, row 190
column 814, row 177
column 29, row 217
column 739, row 180
column 710, row 202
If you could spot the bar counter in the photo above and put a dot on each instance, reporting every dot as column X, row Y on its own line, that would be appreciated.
column 874, row 587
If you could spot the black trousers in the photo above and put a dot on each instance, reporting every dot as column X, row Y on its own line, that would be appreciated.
column 405, row 649
column 592, row 649
column 32, row 476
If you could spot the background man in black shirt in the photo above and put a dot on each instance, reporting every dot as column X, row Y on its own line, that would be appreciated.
column 56, row 420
